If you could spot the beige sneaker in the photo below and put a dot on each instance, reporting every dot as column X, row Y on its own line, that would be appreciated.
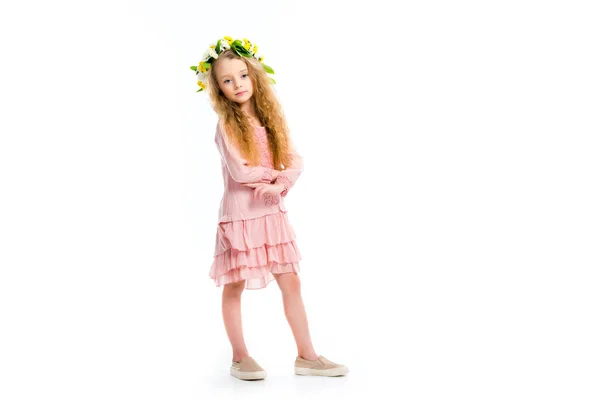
column 247, row 369
column 320, row 367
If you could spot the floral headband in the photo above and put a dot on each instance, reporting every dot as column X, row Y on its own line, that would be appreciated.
column 244, row 49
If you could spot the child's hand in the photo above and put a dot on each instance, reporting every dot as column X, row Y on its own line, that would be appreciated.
column 261, row 189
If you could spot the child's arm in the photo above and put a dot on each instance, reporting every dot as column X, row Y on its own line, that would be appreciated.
column 237, row 166
column 290, row 175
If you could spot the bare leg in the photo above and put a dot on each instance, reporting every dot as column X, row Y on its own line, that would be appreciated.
column 232, row 317
column 289, row 283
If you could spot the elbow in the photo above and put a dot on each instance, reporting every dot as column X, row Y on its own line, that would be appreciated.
column 297, row 162
column 300, row 162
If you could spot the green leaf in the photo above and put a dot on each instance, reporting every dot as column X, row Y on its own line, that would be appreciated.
column 268, row 69
column 218, row 46
column 206, row 65
column 199, row 90
column 240, row 49
column 194, row 68
column 272, row 80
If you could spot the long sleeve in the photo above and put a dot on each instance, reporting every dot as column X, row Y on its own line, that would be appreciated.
column 290, row 175
column 237, row 166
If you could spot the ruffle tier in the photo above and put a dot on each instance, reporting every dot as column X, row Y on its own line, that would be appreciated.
column 255, row 249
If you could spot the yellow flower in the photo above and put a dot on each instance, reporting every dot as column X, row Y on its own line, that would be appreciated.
column 247, row 46
column 201, row 85
column 255, row 49
column 201, row 67
column 261, row 58
column 228, row 38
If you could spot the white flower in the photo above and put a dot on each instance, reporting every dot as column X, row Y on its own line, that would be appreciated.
column 213, row 53
column 224, row 44
column 201, row 76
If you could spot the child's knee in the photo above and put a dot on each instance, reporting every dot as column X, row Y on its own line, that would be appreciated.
column 289, row 282
column 234, row 289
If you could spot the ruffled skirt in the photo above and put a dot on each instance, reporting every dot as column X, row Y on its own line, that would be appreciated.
column 255, row 249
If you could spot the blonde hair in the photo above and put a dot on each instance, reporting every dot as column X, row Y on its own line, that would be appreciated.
column 268, row 110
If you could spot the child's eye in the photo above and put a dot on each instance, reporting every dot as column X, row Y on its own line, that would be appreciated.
column 227, row 80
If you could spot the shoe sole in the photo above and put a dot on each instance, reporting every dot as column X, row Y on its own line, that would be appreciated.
column 321, row 372
column 248, row 376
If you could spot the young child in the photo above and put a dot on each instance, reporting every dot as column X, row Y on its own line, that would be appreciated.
column 255, row 242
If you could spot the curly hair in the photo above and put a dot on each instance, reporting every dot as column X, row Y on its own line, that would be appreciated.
column 268, row 111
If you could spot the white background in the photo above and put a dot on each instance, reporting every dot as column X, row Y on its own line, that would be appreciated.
column 447, row 216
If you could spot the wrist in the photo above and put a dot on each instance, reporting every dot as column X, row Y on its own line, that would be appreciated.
column 285, row 184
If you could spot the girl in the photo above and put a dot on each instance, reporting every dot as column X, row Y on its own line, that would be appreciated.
column 255, row 242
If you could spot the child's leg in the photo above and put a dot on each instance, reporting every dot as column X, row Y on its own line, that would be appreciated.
column 232, row 317
column 295, row 313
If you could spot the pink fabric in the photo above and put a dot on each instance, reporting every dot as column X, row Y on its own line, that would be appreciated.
column 238, row 201
column 254, row 238
column 254, row 250
column 285, row 181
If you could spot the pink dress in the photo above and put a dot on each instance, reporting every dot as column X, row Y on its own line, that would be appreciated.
column 254, row 238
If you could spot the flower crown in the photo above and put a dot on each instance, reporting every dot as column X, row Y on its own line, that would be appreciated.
column 244, row 49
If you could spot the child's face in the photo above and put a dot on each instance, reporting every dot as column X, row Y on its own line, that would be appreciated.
column 233, row 78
